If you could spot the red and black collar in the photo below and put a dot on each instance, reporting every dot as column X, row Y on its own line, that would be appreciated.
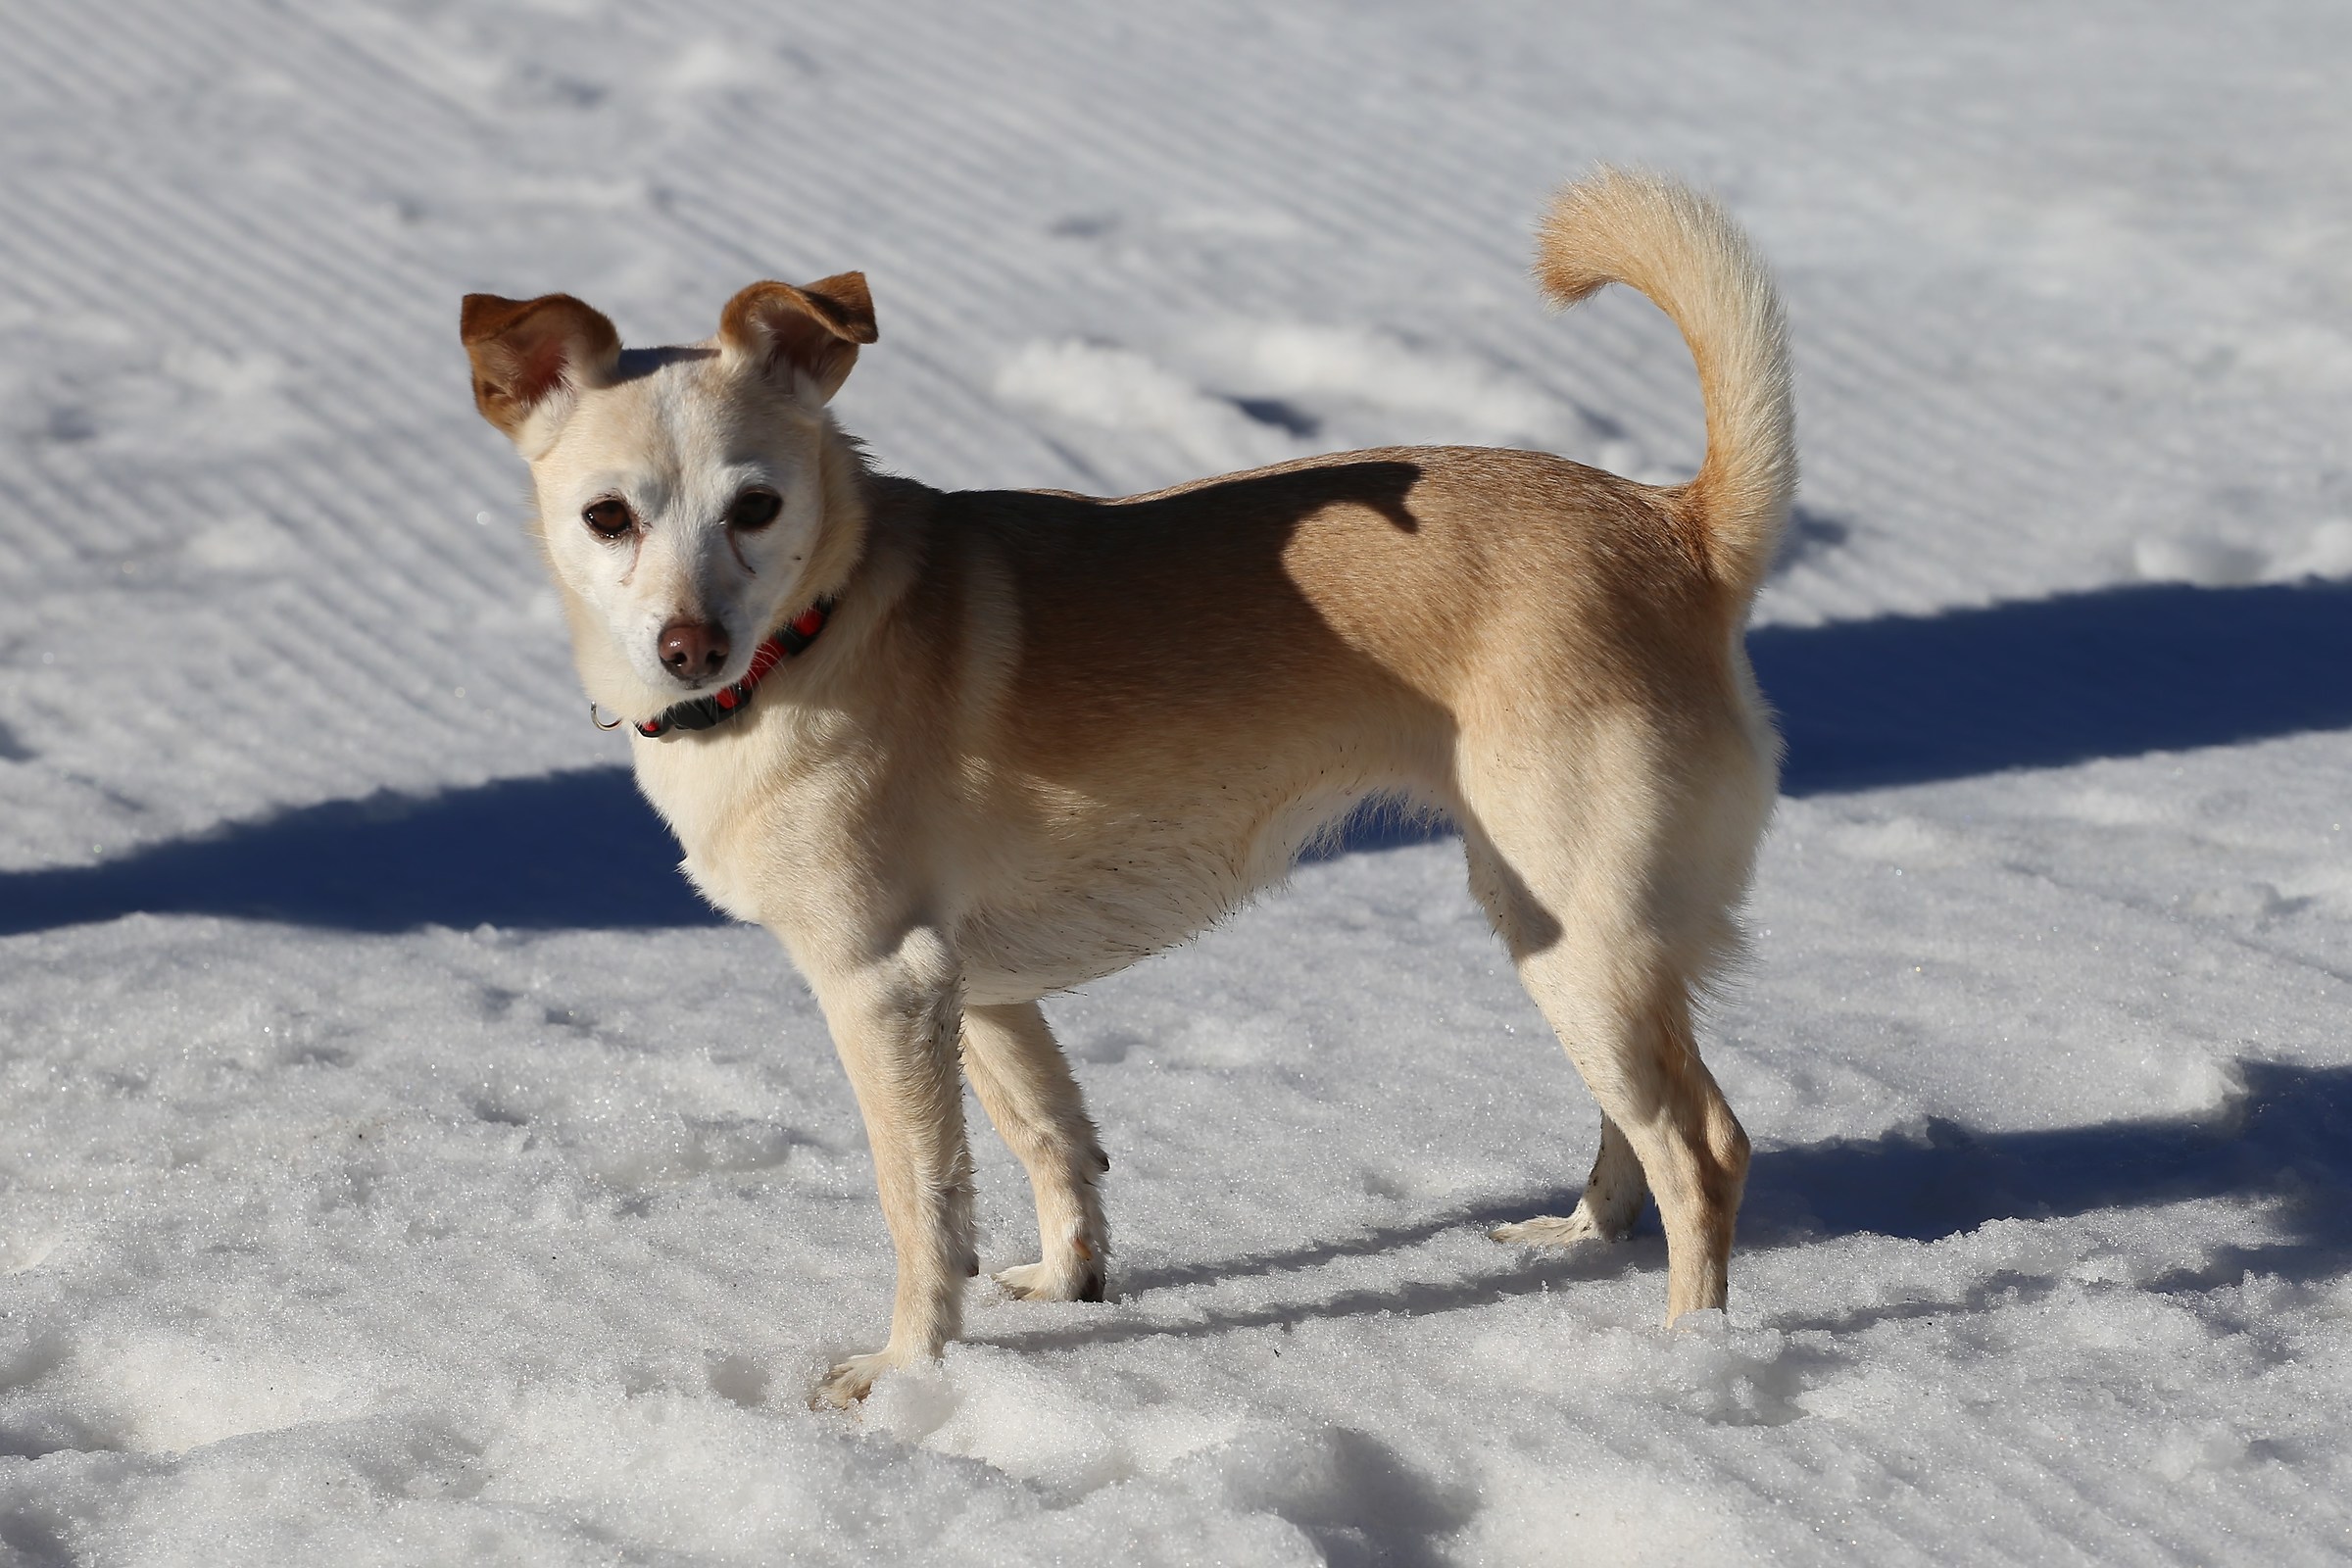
column 704, row 712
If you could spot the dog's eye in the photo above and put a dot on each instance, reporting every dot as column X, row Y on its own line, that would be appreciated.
column 755, row 510
column 609, row 518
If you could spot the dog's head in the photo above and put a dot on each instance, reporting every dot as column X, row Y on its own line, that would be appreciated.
column 683, row 493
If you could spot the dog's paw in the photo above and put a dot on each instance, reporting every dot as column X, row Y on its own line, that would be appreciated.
column 1044, row 1281
column 848, row 1385
column 1551, row 1230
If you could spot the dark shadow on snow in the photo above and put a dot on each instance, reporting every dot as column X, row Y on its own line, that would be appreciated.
column 564, row 849
column 1899, row 700
column 2286, row 1141
column 2047, row 682
column 2287, row 1137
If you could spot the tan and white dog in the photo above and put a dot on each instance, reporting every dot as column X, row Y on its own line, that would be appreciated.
column 982, row 747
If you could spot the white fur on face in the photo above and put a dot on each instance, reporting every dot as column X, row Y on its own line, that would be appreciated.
column 677, row 437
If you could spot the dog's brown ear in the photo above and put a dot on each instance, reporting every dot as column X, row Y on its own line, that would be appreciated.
column 524, row 351
column 812, row 330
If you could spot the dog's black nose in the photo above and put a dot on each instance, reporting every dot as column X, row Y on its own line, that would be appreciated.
column 694, row 650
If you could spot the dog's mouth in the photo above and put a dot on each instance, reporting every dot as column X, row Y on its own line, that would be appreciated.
column 680, row 693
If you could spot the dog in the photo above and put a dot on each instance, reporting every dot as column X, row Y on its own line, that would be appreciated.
column 961, row 751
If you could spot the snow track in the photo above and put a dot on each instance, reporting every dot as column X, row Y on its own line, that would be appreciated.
column 396, row 1164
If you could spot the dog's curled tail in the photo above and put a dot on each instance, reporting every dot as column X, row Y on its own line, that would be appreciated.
column 1685, row 253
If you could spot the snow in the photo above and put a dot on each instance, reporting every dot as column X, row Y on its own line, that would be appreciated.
column 397, row 1164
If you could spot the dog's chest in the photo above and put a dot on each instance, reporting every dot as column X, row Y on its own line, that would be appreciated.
column 711, row 794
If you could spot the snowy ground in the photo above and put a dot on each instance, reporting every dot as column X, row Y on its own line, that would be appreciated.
column 397, row 1166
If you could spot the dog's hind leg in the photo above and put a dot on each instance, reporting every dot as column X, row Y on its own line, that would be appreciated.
column 1609, row 983
column 1025, row 1084
column 1613, row 1196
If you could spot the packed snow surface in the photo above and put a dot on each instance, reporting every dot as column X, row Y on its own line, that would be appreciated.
column 398, row 1165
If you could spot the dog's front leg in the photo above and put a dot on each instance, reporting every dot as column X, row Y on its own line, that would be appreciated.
column 895, row 1021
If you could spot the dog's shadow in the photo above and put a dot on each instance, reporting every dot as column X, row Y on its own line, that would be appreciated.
column 563, row 851
column 2285, row 1142
column 1898, row 700
column 2050, row 682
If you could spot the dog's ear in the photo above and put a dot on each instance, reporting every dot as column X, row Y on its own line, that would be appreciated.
column 526, row 352
column 813, row 331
